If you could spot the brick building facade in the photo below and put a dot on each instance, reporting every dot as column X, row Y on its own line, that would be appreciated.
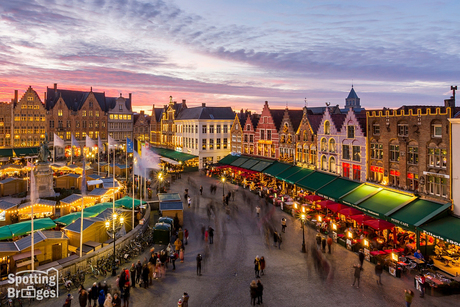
column 6, row 124
column 306, row 139
column 267, row 137
column 288, row 128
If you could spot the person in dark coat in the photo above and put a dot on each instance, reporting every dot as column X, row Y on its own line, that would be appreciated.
column 260, row 292
column 126, row 296
column 68, row 300
column 318, row 241
column 138, row 271
column 378, row 272
column 94, row 294
column 145, row 276
column 323, row 244
column 121, row 281
column 199, row 259
column 253, row 292
column 116, row 302
column 201, row 190
column 211, row 234
column 275, row 238
column 101, row 298
column 329, row 244
column 83, row 297
column 361, row 257
column 357, row 274
column 132, row 272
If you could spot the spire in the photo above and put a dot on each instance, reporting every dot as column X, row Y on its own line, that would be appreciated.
column 352, row 101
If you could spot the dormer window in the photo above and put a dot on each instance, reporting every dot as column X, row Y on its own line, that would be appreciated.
column 351, row 132
column 120, row 107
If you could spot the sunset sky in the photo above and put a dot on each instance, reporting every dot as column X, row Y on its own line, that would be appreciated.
column 234, row 53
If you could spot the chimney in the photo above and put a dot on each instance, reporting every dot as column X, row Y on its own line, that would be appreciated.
column 450, row 103
column 55, row 90
column 203, row 104
column 142, row 112
column 44, row 97
column 121, row 94
column 130, row 95
column 183, row 101
column 266, row 103
column 16, row 96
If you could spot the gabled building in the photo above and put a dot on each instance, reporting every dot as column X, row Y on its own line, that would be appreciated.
column 120, row 120
column 249, row 131
column 267, row 133
column 236, row 131
column 6, row 124
column 168, row 125
column 76, row 112
column 155, row 125
column 288, row 128
column 29, row 122
column 306, row 139
column 141, row 127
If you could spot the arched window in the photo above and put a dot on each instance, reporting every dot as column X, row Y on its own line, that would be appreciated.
column 331, row 145
column 299, row 153
column 305, row 135
column 323, row 144
column 323, row 163
column 306, row 154
column 313, row 155
column 332, row 165
column 327, row 127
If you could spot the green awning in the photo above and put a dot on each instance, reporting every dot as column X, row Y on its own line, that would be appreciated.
column 169, row 197
column 416, row 213
column 96, row 209
column 249, row 163
column 259, row 167
column 172, row 154
column 304, row 172
column 445, row 229
column 72, row 217
column 289, row 172
column 228, row 159
column 276, row 168
column 337, row 188
column 5, row 233
column 127, row 202
column 27, row 151
column 358, row 195
column 239, row 161
column 22, row 228
column 315, row 181
column 383, row 202
column 6, row 152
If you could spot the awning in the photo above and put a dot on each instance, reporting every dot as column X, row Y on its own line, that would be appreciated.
column 72, row 217
column 416, row 213
column 26, row 255
column 6, row 152
column 228, row 159
column 169, row 197
column 378, row 224
column 28, row 151
column 445, row 229
column 334, row 207
column 316, row 181
column 23, row 228
column 313, row 198
column 239, row 161
column 127, row 202
column 304, row 172
column 96, row 209
column 5, row 233
column 261, row 166
column 356, row 196
column 288, row 172
column 349, row 211
column 360, row 218
column 383, row 202
column 324, row 203
column 170, row 161
column 276, row 168
column 249, row 163
column 172, row 154
column 338, row 188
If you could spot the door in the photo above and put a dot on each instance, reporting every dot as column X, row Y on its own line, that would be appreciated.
column 57, row 252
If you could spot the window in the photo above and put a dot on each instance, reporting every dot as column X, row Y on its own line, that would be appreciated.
column 120, row 107
column 351, row 132
column 376, row 151
column 356, row 172
column 346, row 170
column 84, row 124
column 327, row 127
column 412, row 181
column 90, row 104
column 248, row 127
column 91, row 113
column 42, row 117
column 262, row 134
column 251, row 138
column 211, row 128
column 245, row 138
column 96, row 124
column 357, row 153
column 68, row 135
column 90, row 124
column 68, row 124
column 394, row 153
column 203, row 144
column 83, row 135
column 332, row 145
column 77, row 135
column 59, row 112
column 51, row 124
column 97, row 114
column 324, row 163
column 437, row 157
column 83, row 113
column 218, row 129
column 225, row 129
column 403, row 129
column 225, row 143
column 437, row 186
column 376, row 129
column 323, row 144
column 111, row 116
column 211, row 144
column 346, row 152
column 59, row 123
column 115, row 116
column 376, row 173
column 332, row 166
column 218, row 143
column 412, row 155
column 204, row 129
column 437, row 130
column 394, row 177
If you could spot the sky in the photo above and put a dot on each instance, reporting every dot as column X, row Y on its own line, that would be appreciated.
column 234, row 53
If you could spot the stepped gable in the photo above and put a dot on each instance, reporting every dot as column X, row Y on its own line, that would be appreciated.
column 338, row 120
column 277, row 116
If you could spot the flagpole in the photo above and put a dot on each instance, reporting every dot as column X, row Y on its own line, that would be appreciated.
column 108, row 159
column 32, row 243
column 126, row 169
column 98, row 149
column 133, row 190
column 71, row 153
column 82, row 203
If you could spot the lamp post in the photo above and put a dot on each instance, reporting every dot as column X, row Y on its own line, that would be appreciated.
column 302, row 219
column 160, row 179
column 223, row 183
column 117, row 223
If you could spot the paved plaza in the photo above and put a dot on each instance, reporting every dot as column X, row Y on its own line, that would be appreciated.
column 291, row 278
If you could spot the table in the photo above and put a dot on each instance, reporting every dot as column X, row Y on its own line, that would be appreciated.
column 448, row 259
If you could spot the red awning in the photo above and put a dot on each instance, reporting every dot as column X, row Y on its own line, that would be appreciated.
column 313, row 198
column 334, row 207
column 379, row 224
column 348, row 211
column 325, row 203
column 360, row 218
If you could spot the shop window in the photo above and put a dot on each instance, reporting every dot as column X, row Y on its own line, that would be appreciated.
column 251, row 149
column 356, row 153
column 412, row 155
column 394, row 153
column 346, row 152
column 394, row 178
column 332, row 145
column 327, row 127
column 376, row 151
column 346, row 170
column 376, row 173
column 412, row 181
column 356, row 172
column 351, row 132
column 437, row 186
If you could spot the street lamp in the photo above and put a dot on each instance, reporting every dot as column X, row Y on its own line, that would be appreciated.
column 223, row 182
column 117, row 223
column 302, row 219
column 160, row 178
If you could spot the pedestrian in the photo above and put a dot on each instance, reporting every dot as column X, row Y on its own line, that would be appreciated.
column 138, row 271
column 357, row 274
column 116, row 302
column 329, row 244
column 189, row 201
column 132, row 272
column 323, row 244
column 101, row 298
column 145, row 276
column 422, row 285
column 121, row 282
column 185, row 299
column 408, row 296
column 262, row 265
column 186, row 236
column 201, row 190
column 151, row 268
column 257, row 266
column 94, row 294
column 108, row 300
column 275, row 238
column 178, row 244
column 378, row 272
column 68, row 300
column 105, row 287
column 126, row 295
column 181, row 236
column 280, row 240
column 260, row 292
column 203, row 230
column 318, row 241
column 83, row 297
column 206, row 235
column 253, row 292
column 283, row 224
column 211, row 234
column 199, row 259
column 258, row 211
column 181, row 255
column 173, row 258
column 361, row 258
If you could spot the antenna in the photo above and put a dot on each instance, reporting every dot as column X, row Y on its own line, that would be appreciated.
column 305, row 101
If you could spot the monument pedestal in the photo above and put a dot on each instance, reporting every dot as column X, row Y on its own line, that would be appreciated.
column 44, row 180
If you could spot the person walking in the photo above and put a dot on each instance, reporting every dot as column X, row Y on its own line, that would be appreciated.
column 253, row 292
column 283, row 224
column 280, row 240
column 323, row 244
column 422, row 285
column 199, row 259
column 186, row 235
column 257, row 266
column 203, row 230
column 132, row 272
column 329, row 244
column 318, row 241
column 68, row 300
column 94, row 294
column 211, row 234
column 126, row 295
column 151, row 268
column 83, row 297
column 206, row 235
column 378, row 273
column 260, row 292
column 101, row 298
column 257, row 211
column 262, row 265
column 138, row 271
column 181, row 255
column 116, row 302
column 173, row 258
column 178, row 244
column 180, row 235
column 357, row 274
column 189, row 201
column 275, row 238
column 185, row 299
column 201, row 190
column 361, row 258
column 145, row 276
column 108, row 300
column 408, row 296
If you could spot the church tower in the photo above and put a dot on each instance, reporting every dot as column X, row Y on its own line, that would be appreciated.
column 352, row 100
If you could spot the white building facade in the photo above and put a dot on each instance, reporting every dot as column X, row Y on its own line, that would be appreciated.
column 120, row 119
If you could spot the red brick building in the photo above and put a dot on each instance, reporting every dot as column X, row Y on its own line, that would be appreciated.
column 288, row 128
column 267, row 137
column 306, row 139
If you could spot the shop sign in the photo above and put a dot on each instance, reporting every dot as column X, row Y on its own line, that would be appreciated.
column 399, row 222
column 392, row 271
column 377, row 169
column 367, row 254
column 349, row 244
column 441, row 238
column 334, row 236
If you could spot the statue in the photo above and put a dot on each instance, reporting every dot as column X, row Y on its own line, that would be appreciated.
column 44, row 151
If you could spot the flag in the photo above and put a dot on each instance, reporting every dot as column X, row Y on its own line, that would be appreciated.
column 58, row 142
column 150, row 159
column 33, row 189
column 90, row 142
column 74, row 142
column 112, row 142
column 129, row 145
column 139, row 168
column 99, row 144
column 83, row 179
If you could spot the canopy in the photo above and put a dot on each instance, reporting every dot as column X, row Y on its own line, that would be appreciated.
column 27, row 151
column 127, row 202
column 249, row 163
column 276, row 168
column 334, row 207
column 239, row 161
column 384, row 202
column 262, row 165
column 349, row 211
column 326, row 202
column 302, row 173
column 5, row 233
column 445, row 229
column 287, row 173
column 338, row 188
column 378, row 224
column 96, row 209
column 360, row 218
column 72, row 217
column 228, row 159
column 316, row 181
column 355, row 197
column 22, row 228
column 6, row 152
column 172, row 154
column 313, row 198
